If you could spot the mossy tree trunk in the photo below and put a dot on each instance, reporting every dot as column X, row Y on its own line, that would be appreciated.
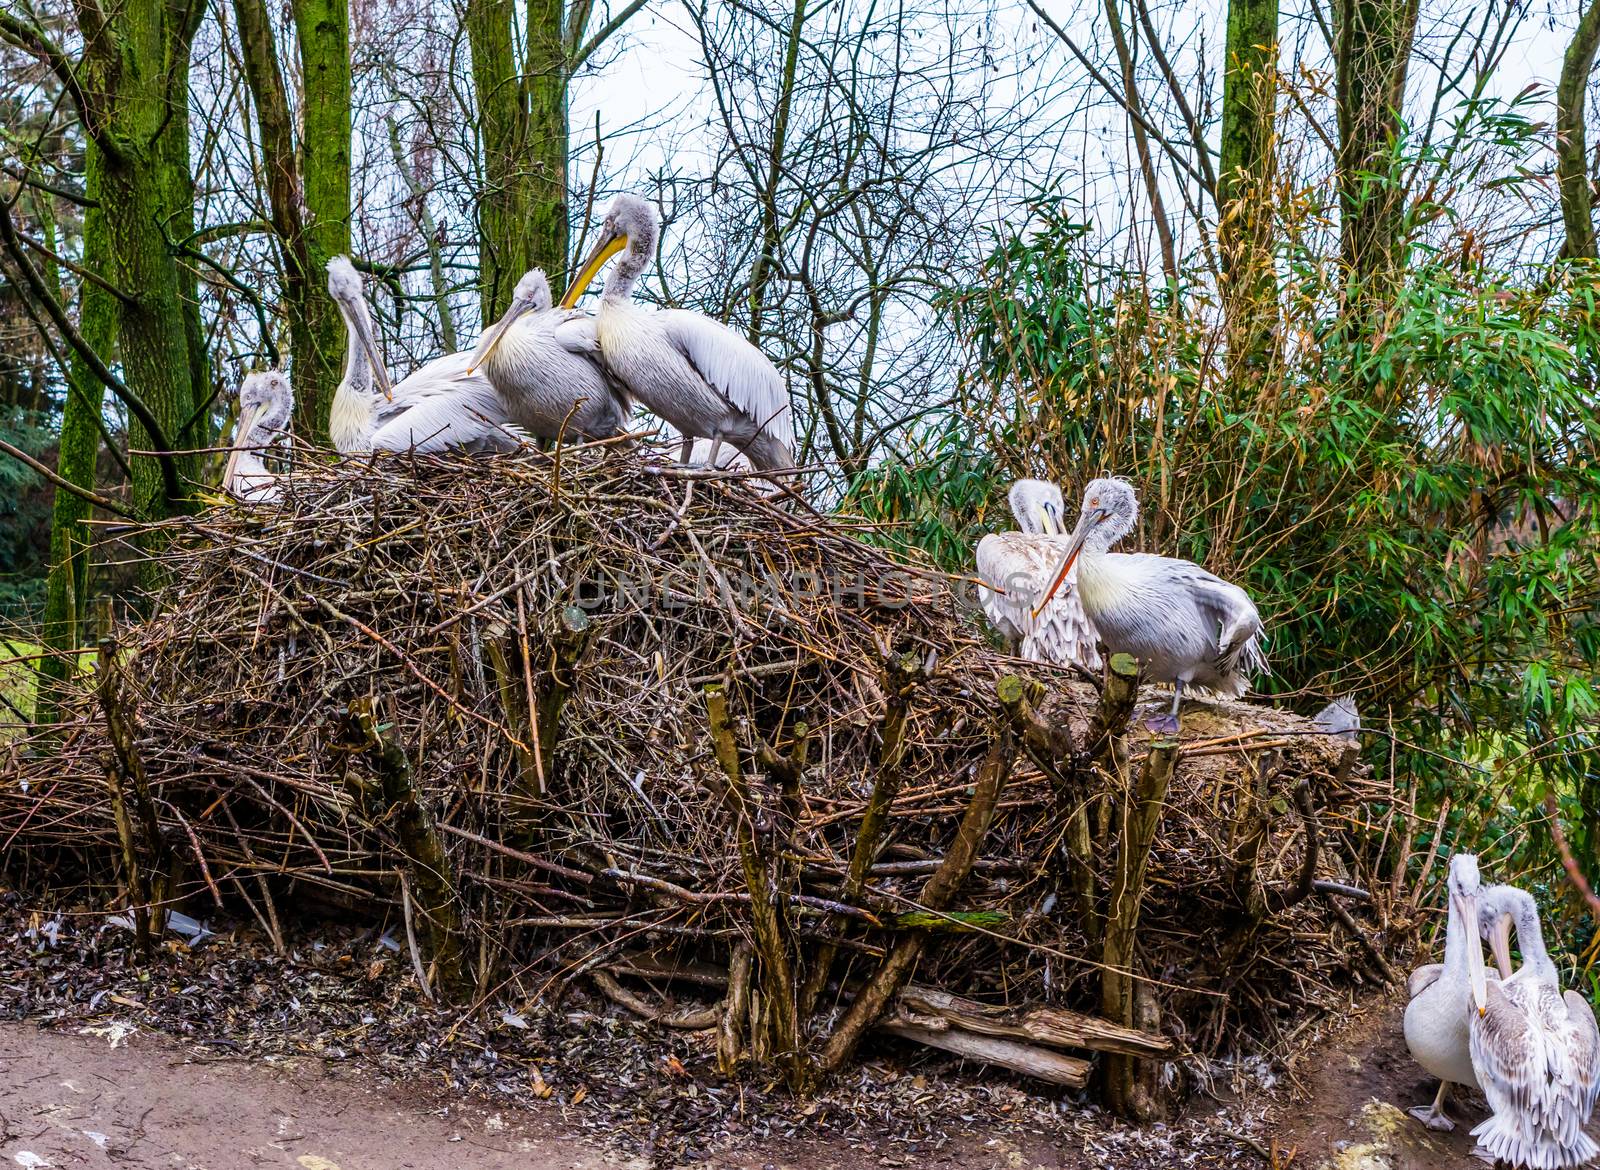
column 67, row 586
column 1244, row 219
column 308, row 185
column 1572, row 152
column 1372, row 53
column 522, row 129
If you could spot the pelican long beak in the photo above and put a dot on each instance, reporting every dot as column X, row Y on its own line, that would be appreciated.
column 247, row 420
column 603, row 250
column 1500, row 944
column 360, row 327
column 493, row 335
column 1477, row 974
column 1086, row 524
column 1045, row 523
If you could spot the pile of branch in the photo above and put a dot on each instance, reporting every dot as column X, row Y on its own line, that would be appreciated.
column 624, row 720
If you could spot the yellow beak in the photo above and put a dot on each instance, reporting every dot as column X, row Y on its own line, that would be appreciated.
column 602, row 251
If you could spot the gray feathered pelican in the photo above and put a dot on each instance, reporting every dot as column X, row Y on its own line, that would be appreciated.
column 265, row 405
column 440, row 406
column 545, row 365
column 695, row 373
column 1445, row 997
column 1536, row 1050
column 1017, row 565
column 1185, row 625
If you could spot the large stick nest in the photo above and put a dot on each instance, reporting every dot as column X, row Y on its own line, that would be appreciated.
column 448, row 593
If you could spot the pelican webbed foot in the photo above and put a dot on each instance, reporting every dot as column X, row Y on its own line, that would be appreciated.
column 1433, row 1118
column 1165, row 724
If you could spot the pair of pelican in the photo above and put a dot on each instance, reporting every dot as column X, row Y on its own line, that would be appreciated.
column 1532, row 1049
column 1057, row 595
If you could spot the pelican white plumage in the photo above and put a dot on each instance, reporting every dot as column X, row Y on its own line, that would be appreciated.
column 1536, row 1050
column 545, row 364
column 1438, row 1018
column 1186, row 626
column 266, row 402
column 695, row 373
column 438, row 407
column 1017, row 565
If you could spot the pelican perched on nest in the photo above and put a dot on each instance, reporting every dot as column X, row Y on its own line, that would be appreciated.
column 1536, row 1050
column 1444, row 996
column 1016, row 565
column 545, row 365
column 266, row 402
column 440, row 406
column 695, row 373
column 1186, row 626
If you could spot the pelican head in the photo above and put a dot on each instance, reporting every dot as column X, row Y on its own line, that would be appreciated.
column 1110, row 510
column 344, row 286
column 265, row 403
column 1464, row 895
column 532, row 295
column 1037, row 505
column 631, row 223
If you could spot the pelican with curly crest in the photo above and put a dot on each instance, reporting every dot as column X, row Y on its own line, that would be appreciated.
column 545, row 364
column 1016, row 565
column 266, row 402
column 438, row 407
column 696, row 373
column 1186, row 626
column 1438, row 1020
column 1536, row 1049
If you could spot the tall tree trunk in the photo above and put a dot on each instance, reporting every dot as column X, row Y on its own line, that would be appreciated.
column 1572, row 151
column 308, row 185
column 135, row 90
column 67, row 586
column 522, row 124
column 1244, row 221
column 1372, row 51
column 760, row 273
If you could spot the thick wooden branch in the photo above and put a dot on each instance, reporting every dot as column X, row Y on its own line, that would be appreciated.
column 1041, row 1064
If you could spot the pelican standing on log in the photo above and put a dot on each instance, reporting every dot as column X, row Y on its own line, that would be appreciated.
column 545, row 365
column 1186, row 626
column 1536, row 1050
column 1016, row 566
column 265, row 405
column 1438, row 1019
column 440, row 406
column 695, row 373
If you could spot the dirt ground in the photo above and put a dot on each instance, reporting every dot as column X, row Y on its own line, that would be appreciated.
column 113, row 1096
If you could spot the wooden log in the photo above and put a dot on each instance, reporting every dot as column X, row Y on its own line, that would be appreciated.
column 1053, row 1026
column 1040, row 1063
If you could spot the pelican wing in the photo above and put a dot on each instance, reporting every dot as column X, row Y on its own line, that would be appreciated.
column 1423, row 978
column 1508, row 1056
column 1017, row 566
column 1237, row 620
column 469, row 416
column 1583, row 1047
column 733, row 367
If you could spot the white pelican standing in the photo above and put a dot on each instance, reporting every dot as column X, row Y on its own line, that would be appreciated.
column 439, row 406
column 545, row 365
column 1536, row 1051
column 1438, row 1018
column 695, row 373
column 1017, row 565
column 265, row 404
column 1186, row 626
